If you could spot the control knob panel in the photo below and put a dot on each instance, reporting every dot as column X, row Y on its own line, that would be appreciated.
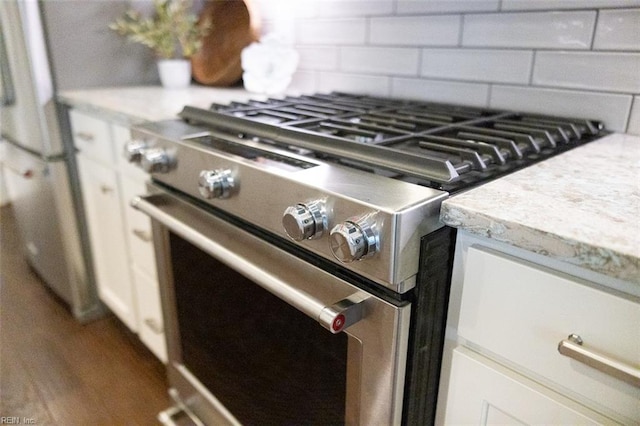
column 353, row 240
column 156, row 160
column 216, row 183
column 134, row 149
column 305, row 221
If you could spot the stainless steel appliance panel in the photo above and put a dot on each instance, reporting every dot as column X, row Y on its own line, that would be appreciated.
column 400, row 212
column 31, row 184
column 376, row 346
column 23, row 119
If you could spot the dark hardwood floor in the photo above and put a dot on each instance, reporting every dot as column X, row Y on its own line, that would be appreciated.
column 58, row 372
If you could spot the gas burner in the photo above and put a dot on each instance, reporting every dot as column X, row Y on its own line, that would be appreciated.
column 448, row 147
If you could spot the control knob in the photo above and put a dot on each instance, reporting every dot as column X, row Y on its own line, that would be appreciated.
column 134, row 149
column 353, row 240
column 156, row 160
column 305, row 221
column 215, row 183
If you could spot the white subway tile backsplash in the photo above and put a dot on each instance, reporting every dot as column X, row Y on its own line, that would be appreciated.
column 303, row 82
column 618, row 30
column 565, row 4
column 435, row 6
column 564, row 57
column 345, row 8
column 330, row 32
column 441, row 30
column 380, row 60
column 616, row 72
column 612, row 109
column 503, row 66
column 554, row 30
column 317, row 58
column 354, row 83
column 274, row 10
column 474, row 94
column 634, row 119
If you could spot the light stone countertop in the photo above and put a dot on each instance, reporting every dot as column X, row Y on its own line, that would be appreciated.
column 131, row 105
column 580, row 207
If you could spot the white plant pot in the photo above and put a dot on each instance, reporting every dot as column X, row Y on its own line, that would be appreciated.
column 174, row 73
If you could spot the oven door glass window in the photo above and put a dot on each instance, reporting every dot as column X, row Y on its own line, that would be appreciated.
column 264, row 360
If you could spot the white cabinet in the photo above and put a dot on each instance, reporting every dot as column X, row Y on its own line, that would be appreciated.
column 101, row 196
column 121, row 239
column 143, row 267
column 150, row 323
column 507, row 317
column 484, row 392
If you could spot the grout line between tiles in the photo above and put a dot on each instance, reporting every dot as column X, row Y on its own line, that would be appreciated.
column 595, row 30
column 534, row 57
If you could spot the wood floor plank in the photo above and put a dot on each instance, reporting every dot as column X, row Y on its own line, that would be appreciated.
column 18, row 397
column 60, row 372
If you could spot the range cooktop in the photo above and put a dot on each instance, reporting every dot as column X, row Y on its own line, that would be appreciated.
column 447, row 147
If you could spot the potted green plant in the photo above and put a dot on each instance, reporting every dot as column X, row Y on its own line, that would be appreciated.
column 173, row 33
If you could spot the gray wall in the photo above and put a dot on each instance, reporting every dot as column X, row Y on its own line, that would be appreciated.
column 85, row 53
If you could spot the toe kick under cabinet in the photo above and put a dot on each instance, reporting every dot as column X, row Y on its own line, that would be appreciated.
column 120, row 237
column 510, row 316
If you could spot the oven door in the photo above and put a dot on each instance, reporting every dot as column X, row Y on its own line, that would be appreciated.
column 257, row 335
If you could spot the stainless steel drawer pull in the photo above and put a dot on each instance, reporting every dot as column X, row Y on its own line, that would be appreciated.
column 105, row 189
column 85, row 136
column 143, row 235
column 25, row 173
column 572, row 347
column 153, row 325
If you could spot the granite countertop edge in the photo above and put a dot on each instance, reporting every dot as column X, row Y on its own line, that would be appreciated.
column 581, row 207
column 138, row 104
column 579, row 253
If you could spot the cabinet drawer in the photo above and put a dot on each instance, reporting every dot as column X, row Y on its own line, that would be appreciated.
column 483, row 392
column 151, row 326
column 139, row 232
column 91, row 136
column 521, row 312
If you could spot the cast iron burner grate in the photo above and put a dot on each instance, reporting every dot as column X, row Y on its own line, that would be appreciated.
column 449, row 147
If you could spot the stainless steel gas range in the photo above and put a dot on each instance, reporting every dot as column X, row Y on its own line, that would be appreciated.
column 304, row 273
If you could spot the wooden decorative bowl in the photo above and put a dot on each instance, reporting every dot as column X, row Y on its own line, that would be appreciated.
column 235, row 25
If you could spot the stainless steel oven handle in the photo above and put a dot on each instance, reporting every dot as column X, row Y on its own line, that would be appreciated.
column 167, row 416
column 335, row 317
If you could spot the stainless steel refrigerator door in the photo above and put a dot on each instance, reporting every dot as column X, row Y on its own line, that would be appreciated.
column 46, row 220
column 30, row 120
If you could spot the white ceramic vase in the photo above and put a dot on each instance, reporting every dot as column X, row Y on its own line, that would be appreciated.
column 174, row 73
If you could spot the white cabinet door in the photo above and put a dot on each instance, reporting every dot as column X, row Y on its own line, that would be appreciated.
column 101, row 197
column 520, row 312
column 91, row 137
column 151, row 324
column 482, row 392
column 138, row 226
